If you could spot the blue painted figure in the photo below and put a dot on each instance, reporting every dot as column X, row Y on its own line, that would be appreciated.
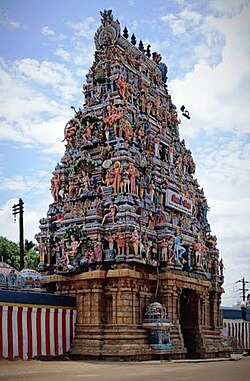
column 178, row 248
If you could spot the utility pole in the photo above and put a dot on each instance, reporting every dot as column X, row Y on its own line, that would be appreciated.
column 18, row 209
column 243, row 289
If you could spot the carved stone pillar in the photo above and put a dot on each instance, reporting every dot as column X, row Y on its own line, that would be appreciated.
column 175, row 307
column 207, row 310
column 213, row 309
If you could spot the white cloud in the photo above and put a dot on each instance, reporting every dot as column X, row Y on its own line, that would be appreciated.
column 177, row 25
column 14, row 24
column 85, row 29
column 23, row 106
column 47, row 31
column 49, row 73
column 229, row 7
column 7, row 22
column 21, row 184
column 227, row 166
column 219, row 93
column 191, row 16
column 223, row 172
column 62, row 53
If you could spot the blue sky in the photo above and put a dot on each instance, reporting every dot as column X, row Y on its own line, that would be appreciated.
column 46, row 49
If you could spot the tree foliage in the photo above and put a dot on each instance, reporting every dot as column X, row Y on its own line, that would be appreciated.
column 9, row 253
column 31, row 259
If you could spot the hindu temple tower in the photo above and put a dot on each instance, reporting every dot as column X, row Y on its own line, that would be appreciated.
column 127, row 231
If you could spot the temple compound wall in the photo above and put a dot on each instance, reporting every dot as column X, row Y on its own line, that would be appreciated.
column 127, row 232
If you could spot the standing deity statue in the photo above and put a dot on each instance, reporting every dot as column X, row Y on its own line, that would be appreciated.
column 178, row 248
column 117, row 176
column 121, row 242
column 132, row 176
column 135, row 242
column 56, row 186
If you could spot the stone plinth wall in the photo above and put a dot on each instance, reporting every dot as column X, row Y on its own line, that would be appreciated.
column 111, row 306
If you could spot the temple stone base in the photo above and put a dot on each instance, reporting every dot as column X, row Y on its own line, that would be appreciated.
column 111, row 305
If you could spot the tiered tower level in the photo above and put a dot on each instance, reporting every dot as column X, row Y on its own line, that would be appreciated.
column 128, row 222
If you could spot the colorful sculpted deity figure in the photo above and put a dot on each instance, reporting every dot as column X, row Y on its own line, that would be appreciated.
column 111, row 241
column 151, row 189
column 12, row 278
column 111, row 213
column 56, row 186
column 122, row 86
column 121, row 242
column 157, row 141
column 164, row 250
column 132, row 177
column 85, row 181
column 126, row 182
column 74, row 245
column 128, row 131
column 88, row 130
column 135, row 240
column 98, row 252
column 171, row 152
column 70, row 131
column 42, row 251
column 178, row 248
column 117, row 176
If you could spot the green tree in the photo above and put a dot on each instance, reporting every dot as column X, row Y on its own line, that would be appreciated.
column 31, row 259
column 28, row 245
column 9, row 252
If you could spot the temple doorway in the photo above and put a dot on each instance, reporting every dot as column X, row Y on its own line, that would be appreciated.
column 189, row 318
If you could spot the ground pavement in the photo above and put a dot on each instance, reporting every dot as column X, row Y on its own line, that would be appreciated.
column 216, row 370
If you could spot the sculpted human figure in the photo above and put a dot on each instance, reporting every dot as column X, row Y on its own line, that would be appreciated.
column 74, row 246
column 151, row 189
column 198, row 253
column 112, row 211
column 178, row 248
column 122, row 86
column 121, row 241
column 117, row 176
column 132, row 176
column 85, row 181
column 70, row 131
column 88, row 130
column 128, row 131
column 56, row 186
column 135, row 242
column 71, row 189
column 170, row 250
column 98, row 251
column 157, row 141
column 126, row 182
column 171, row 154
column 110, row 240
column 42, row 251
column 164, row 250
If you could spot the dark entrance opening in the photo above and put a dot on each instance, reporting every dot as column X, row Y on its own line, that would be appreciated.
column 189, row 318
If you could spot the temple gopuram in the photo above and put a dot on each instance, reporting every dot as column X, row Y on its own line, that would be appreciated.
column 127, row 231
